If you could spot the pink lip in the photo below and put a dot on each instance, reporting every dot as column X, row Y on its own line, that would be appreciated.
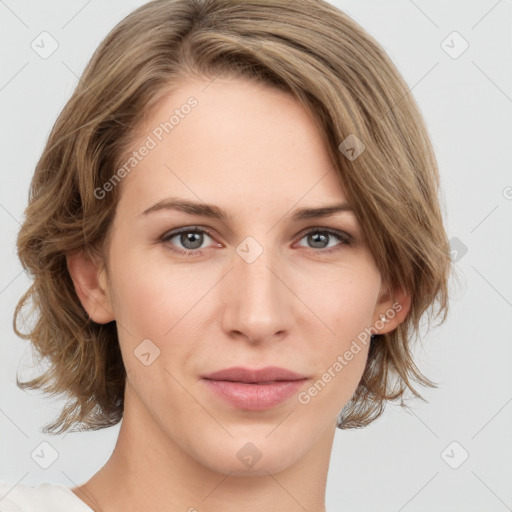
column 241, row 374
column 254, row 389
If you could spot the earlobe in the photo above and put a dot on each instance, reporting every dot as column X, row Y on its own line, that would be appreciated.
column 392, row 311
column 90, row 283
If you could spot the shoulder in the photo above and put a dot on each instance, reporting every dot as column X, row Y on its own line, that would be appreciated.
column 44, row 497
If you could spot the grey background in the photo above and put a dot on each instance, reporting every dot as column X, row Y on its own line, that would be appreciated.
column 397, row 463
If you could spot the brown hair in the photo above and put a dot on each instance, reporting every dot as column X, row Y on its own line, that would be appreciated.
column 338, row 73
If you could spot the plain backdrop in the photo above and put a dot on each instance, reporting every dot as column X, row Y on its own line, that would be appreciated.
column 450, row 454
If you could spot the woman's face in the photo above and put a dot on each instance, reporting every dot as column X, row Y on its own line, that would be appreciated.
column 267, row 285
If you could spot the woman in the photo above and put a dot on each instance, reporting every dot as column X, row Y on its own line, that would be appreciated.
column 234, row 232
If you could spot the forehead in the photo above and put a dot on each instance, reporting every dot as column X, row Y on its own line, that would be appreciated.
column 231, row 142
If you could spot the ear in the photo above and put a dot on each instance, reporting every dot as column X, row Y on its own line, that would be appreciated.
column 391, row 310
column 89, row 278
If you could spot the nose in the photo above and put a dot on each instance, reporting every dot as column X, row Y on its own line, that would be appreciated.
column 257, row 299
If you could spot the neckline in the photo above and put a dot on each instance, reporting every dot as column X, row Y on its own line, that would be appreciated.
column 77, row 500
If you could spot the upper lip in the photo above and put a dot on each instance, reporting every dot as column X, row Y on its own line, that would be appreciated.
column 267, row 374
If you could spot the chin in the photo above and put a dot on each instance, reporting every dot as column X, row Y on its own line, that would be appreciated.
column 241, row 456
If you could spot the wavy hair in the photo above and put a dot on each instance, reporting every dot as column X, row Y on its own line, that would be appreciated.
column 338, row 72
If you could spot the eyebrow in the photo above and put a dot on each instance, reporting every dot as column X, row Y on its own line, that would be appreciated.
column 214, row 212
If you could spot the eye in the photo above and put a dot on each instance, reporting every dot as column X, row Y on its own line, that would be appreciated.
column 191, row 238
column 319, row 237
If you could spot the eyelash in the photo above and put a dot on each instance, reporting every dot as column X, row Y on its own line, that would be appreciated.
column 344, row 238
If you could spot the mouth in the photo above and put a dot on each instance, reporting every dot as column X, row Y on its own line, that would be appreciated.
column 254, row 389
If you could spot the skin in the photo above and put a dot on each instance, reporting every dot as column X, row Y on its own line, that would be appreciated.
column 256, row 153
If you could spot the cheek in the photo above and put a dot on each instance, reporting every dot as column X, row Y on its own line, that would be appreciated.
column 153, row 302
column 336, row 379
column 150, row 297
column 346, row 306
column 344, row 300
column 166, row 304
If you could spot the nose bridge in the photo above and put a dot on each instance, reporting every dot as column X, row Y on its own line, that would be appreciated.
column 258, row 303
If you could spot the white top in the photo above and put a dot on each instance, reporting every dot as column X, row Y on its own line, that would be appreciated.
column 45, row 497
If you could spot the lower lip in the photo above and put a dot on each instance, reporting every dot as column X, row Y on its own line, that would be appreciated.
column 255, row 397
